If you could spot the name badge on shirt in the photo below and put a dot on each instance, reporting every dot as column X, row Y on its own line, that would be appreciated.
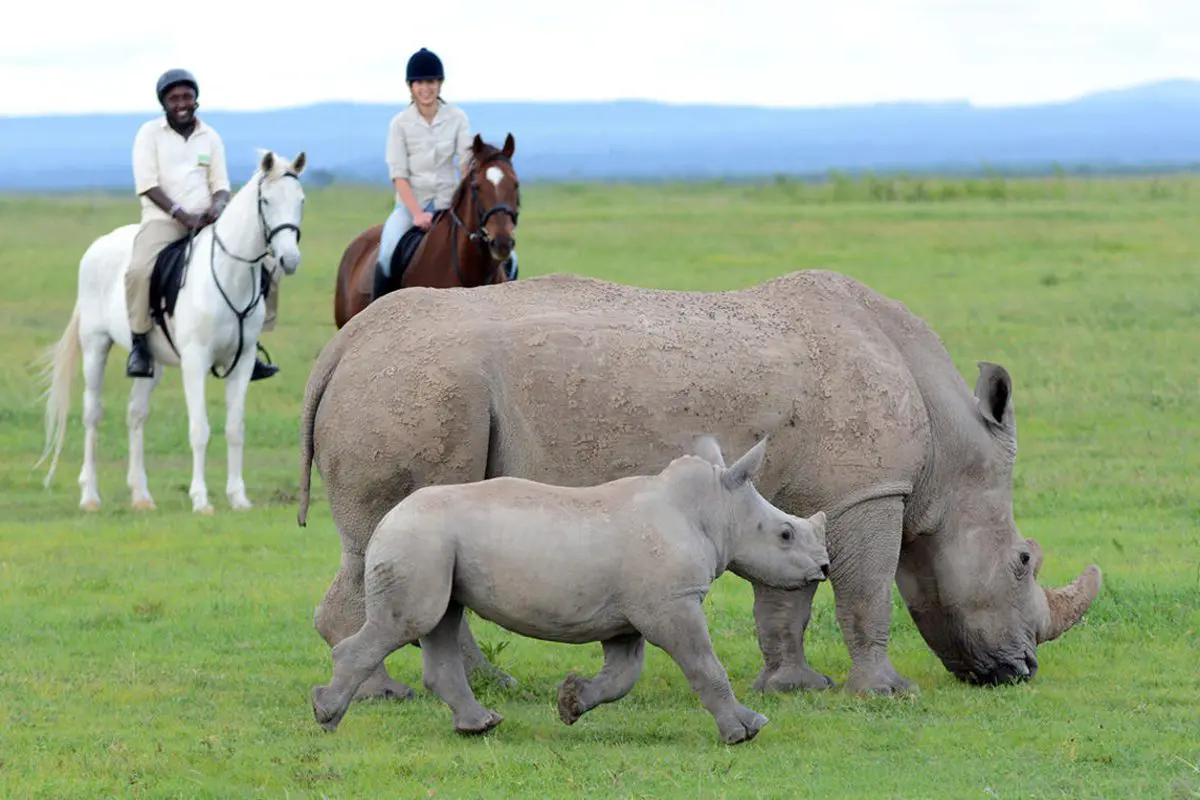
column 203, row 160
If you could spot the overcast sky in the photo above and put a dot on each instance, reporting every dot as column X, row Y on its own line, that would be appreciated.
column 72, row 56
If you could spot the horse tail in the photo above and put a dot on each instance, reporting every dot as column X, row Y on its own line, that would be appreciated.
column 61, row 363
column 318, row 380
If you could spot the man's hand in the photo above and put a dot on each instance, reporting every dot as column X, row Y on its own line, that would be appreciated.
column 216, row 209
column 192, row 221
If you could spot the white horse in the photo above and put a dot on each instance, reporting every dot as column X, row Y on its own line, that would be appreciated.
column 217, row 321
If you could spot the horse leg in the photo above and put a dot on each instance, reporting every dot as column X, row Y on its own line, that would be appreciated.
column 95, row 356
column 235, row 428
column 194, row 366
column 135, row 418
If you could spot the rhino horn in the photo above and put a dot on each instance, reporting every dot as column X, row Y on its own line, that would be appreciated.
column 1068, row 604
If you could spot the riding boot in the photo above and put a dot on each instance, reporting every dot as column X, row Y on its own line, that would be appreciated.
column 262, row 370
column 140, row 363
column 380, row 287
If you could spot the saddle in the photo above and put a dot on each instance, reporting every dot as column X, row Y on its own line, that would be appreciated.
column 402, row 256
column 170, row 275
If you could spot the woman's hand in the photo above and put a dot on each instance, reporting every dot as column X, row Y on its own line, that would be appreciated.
column 422, row 220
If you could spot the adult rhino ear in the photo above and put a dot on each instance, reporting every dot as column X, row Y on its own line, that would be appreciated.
column 707, row 448
column 993, row 397
column 746, row 466
column 993, row 390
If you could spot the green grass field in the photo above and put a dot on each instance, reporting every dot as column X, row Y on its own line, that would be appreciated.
column 164, row 655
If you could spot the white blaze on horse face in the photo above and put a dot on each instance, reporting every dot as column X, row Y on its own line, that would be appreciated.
column 495, row 175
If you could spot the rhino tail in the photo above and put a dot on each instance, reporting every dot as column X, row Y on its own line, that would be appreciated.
column 318, row 380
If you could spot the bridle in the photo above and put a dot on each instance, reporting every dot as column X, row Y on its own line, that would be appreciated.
column 480, row 236
column 268, row 232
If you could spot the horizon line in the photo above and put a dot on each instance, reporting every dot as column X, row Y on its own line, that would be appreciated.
column 648, row 101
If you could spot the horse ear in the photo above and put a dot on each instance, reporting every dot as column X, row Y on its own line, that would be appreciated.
column 299, row 163
column 268, row 162
column 477, row 143
column 510, row 146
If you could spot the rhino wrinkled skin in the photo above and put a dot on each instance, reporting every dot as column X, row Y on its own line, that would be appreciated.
column 622, row 563
column 575, row 381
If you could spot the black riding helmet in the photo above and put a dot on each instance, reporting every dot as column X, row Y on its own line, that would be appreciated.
column 174, row 77
column 424, row 65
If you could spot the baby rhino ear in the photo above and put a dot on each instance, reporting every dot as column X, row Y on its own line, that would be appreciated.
column 817, row 520
column 707, row 448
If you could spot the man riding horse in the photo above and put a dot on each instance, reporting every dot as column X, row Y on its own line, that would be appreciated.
column 180, row 177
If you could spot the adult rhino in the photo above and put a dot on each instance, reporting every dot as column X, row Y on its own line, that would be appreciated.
column 570, row 380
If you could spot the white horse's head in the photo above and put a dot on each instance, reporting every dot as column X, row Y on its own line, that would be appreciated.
column 281, row 206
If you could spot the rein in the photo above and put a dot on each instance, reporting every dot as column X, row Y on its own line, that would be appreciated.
column 480, row 236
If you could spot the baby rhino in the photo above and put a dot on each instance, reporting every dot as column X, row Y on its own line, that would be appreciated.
column 619, row 563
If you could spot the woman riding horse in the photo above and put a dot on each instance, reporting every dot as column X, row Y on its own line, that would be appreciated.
column 439, row 234
column 421, row 144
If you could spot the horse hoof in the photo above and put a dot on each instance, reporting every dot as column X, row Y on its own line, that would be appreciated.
column 90, row 505
column 205, row 510
column 144, row 504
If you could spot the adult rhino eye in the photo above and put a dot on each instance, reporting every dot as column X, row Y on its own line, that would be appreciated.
column 1024, row 557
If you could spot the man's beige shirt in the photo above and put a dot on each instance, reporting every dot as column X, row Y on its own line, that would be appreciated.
column 190, row 171
column 423, row 152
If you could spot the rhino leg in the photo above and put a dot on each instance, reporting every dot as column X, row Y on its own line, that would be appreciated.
column 864, row 551
column 781, row 618
column 623, row 659
column 681, row 630
column 446, row 674
column 341, row 613
column 355, row 658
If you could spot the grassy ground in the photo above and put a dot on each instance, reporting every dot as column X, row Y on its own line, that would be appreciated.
column 164, row 655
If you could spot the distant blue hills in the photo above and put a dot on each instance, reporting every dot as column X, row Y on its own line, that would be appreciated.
column 1149, row 127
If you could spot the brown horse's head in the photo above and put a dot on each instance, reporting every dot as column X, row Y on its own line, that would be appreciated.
column 497, row 194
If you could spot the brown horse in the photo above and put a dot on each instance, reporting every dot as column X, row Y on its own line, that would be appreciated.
column 465, row 245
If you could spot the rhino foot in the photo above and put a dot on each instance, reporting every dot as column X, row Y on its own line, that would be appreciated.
column 880, row 680
column 327, row 713
column 741, row 726
column 383, row 687
column 792, row 679
column 570, row 707
column 481, row 721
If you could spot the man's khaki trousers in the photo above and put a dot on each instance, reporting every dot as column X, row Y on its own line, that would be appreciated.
column 151, row 238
